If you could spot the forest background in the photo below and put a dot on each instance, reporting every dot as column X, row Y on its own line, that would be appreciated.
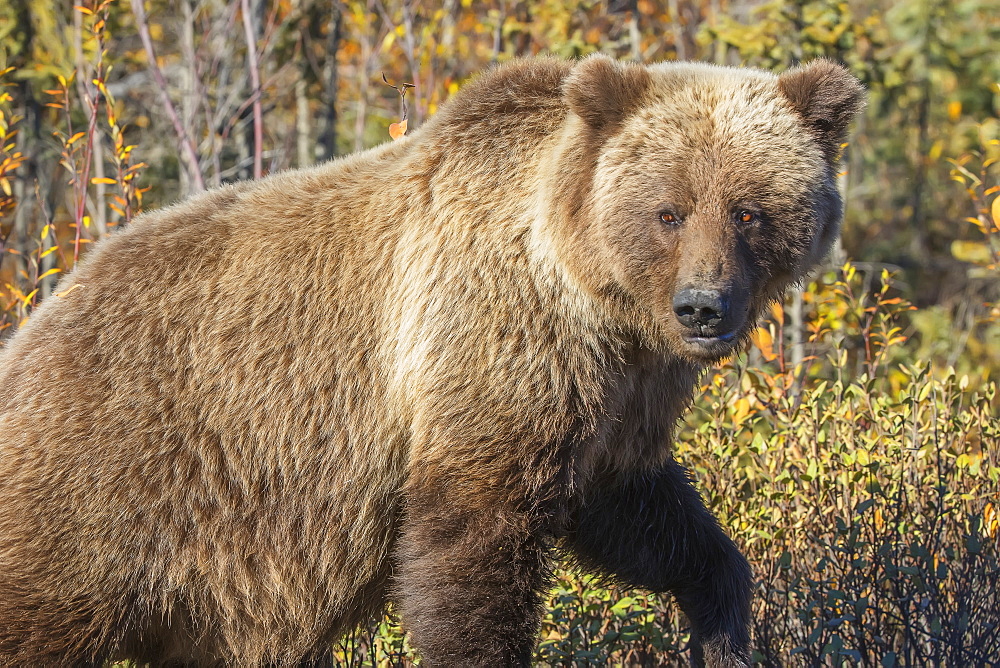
column 852, row 451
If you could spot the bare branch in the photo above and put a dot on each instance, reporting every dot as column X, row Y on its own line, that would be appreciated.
column 258, row 121
column 187, row 147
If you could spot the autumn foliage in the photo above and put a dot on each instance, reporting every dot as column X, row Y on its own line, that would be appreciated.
column 853, row 450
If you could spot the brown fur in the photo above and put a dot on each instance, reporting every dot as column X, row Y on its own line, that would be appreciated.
column 409, row 373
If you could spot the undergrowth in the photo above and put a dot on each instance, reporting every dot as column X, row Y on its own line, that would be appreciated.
column 860, row 480
column 863, row 488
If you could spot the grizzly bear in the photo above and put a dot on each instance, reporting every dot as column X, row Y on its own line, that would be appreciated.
column 416, row 374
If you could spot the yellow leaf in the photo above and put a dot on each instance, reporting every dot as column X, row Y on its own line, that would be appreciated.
column 936, row 150
column 764, row 342
column 778, row 311
column 741, row 410
column 45, row 231
column 974, row 252
column 72, row 140
column 954, row 110
column 68, row 290
column 996, row 212
column 50, row 272
column 103, row 179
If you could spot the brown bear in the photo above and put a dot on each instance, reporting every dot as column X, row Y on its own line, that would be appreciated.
column 415, row 374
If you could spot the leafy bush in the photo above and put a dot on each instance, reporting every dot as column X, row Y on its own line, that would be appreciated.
column 865, row 491
column 856, row 467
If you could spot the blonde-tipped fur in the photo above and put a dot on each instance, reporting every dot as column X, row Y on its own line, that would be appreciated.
column 411, row 373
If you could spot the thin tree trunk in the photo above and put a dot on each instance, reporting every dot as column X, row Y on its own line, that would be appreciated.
column 250, row 33
column 20, row 239
column 365, row 39
column 187, row 147
column 635, row 36
column 720, row 53
column 327, row 139
column 680, row 47
column 29, row 143
column 498, row 33
column 918, row 243
column 796, row 325
column 188, row 78
column 304, row 151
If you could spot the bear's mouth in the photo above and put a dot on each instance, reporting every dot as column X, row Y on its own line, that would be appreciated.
column 708, row 338
column 710, row 345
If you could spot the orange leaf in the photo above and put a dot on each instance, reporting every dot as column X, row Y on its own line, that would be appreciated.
column 103, row 179
column 991, row 520
column 778, row 311
column 397, row 130
column 764, row 342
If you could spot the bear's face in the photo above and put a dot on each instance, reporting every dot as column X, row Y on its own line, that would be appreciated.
column 711, row 189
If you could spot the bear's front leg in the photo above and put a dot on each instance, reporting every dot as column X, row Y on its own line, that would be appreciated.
column 652, row 531
column 472, row 566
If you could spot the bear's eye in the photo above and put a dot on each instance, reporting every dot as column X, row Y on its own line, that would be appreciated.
column 669, row 218
column 746, row 217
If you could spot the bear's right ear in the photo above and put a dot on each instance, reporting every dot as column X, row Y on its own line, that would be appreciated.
column 603, row 91
column 826, row 97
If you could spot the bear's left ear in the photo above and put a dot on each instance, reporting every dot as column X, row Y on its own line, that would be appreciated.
column 827, row 97
column 603, row 91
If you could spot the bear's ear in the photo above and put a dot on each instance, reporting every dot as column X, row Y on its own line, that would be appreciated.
column 603, row 91
column 827, row 97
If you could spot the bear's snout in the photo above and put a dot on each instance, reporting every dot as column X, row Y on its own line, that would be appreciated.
column 710, row 319
column 701, row 309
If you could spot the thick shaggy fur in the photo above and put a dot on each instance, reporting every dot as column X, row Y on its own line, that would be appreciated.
column 251, row 418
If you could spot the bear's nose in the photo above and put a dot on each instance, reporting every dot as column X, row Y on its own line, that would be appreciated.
column 699, row 307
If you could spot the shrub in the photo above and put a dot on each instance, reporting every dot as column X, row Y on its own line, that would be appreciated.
column 860, row 478
column 863, row 488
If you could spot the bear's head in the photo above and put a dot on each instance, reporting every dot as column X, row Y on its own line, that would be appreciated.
column 688, row 196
